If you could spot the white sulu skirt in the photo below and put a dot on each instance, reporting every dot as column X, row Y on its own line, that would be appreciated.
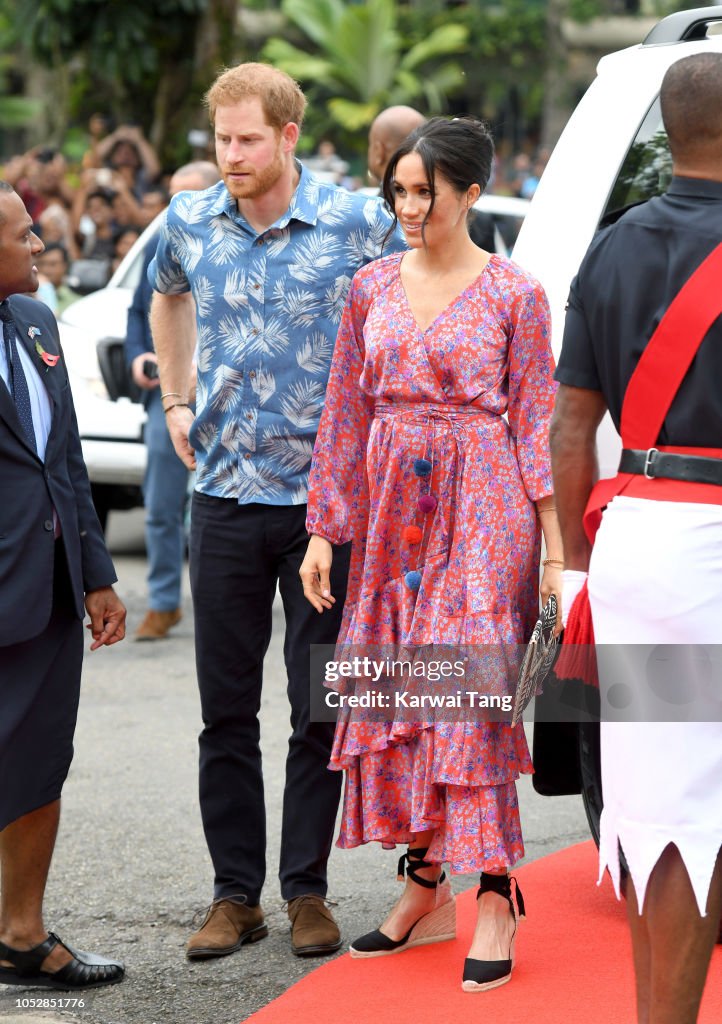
column 655, row 588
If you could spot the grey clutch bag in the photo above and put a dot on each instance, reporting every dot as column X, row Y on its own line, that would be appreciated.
column 539, row 657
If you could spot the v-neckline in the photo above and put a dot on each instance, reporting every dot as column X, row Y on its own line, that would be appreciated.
column 449, row 306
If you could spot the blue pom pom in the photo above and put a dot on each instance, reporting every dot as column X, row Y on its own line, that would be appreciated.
column 413, row 580
column 422, row 467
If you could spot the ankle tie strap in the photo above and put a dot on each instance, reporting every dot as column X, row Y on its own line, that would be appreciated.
column 501, row 884
column 417, row 856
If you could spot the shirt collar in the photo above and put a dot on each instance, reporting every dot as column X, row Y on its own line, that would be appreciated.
column 303, row 205
column 702, row 188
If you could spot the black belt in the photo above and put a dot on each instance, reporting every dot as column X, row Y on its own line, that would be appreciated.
column 652, row 463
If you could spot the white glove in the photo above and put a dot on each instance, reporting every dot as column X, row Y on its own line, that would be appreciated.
column 572, row 582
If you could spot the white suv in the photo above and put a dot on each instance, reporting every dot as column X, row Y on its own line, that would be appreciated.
column 613, row 153
column 110, row 417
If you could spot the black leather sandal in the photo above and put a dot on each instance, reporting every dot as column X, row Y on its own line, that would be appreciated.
column 438, row 925
column 480, row 975
column 85, row 970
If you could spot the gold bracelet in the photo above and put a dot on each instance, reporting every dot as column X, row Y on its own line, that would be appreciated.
column 177, row 405
column 549, row 508
column 171, row 394
column 553, row 561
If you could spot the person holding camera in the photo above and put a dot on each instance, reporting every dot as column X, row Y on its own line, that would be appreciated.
column 166, row 478
column 128, row 155
column 38, row 176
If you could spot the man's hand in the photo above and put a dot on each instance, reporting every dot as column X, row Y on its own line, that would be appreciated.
column 138, row 373
column 107, row 617
column 179, row 422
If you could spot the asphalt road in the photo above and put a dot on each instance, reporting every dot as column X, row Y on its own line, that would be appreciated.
column 131, row 868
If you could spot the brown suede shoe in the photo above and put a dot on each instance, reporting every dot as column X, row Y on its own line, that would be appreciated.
column 227, row 925
column 313, row 929
column 155, row 625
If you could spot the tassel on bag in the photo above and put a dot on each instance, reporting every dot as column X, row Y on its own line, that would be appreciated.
column 577, row 657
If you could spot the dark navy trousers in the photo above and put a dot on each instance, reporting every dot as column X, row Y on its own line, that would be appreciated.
column 238, row 555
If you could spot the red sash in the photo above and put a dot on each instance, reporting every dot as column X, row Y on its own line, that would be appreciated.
column 652, row 388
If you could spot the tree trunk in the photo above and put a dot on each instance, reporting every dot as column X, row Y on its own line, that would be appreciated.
column 557, row 107
column 182, row 84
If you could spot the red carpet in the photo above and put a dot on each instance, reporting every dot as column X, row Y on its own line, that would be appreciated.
column 573, row 966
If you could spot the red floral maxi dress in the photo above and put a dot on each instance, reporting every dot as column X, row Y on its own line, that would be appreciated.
column 397, row 395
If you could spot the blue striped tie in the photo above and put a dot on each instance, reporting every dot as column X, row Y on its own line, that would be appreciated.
column 17, row 380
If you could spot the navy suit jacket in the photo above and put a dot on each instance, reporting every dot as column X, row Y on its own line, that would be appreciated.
column 138, row 338
column 30, row 489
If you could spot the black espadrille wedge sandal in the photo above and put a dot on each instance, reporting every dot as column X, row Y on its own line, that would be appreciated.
column 480, row 975
column 438, row 925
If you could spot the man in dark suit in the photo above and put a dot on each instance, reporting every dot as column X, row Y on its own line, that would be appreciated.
column 53, row 566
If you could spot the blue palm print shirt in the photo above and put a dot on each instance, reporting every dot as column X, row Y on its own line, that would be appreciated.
column 268, row 307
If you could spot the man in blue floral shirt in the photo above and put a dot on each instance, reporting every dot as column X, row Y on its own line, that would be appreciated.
column 267, row 255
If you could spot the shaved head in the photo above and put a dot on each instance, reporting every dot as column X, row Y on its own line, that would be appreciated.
column 386, row 134
column 691, row 101
column 194, row 177
column 4, row 187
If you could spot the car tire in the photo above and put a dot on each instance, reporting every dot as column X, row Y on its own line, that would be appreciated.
column 590, row 773
column 101, row 495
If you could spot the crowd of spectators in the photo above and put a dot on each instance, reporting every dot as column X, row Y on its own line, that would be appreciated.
column 90, row 214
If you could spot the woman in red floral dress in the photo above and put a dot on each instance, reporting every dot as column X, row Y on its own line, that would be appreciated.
column 432, row 458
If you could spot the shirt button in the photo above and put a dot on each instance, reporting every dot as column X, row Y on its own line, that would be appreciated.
column 249, row 415
column 247, row 455
column 254, row 332
column 259, row 241
column 48, row 525
column 256, row 286
column 252, row 375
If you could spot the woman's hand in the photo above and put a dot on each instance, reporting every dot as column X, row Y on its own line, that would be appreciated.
column 551, row 583
column 315, row 573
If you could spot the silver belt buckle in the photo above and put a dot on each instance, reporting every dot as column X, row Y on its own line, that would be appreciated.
column 649, row 462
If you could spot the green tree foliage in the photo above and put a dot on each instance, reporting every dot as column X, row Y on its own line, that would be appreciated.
column 124, row 43
column 15, row 111
column 141, row 60
column 503, row 68
column 353, row 61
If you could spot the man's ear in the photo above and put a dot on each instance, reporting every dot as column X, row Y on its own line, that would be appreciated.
column 385, row 153
column 290, row 134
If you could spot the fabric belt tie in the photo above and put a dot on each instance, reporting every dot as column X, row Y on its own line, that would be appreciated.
column 655, row 464
column 17, row 381
column 436, row 418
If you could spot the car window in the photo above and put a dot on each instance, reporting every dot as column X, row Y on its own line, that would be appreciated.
column 131, row 274
column 647, row 168
column 508, row 228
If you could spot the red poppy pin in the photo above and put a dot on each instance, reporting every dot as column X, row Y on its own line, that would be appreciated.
column 47, row 357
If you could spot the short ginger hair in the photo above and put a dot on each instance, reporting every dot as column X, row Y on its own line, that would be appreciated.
column 281, row 98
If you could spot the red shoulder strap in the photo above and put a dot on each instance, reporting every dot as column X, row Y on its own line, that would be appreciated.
column 662, row 367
